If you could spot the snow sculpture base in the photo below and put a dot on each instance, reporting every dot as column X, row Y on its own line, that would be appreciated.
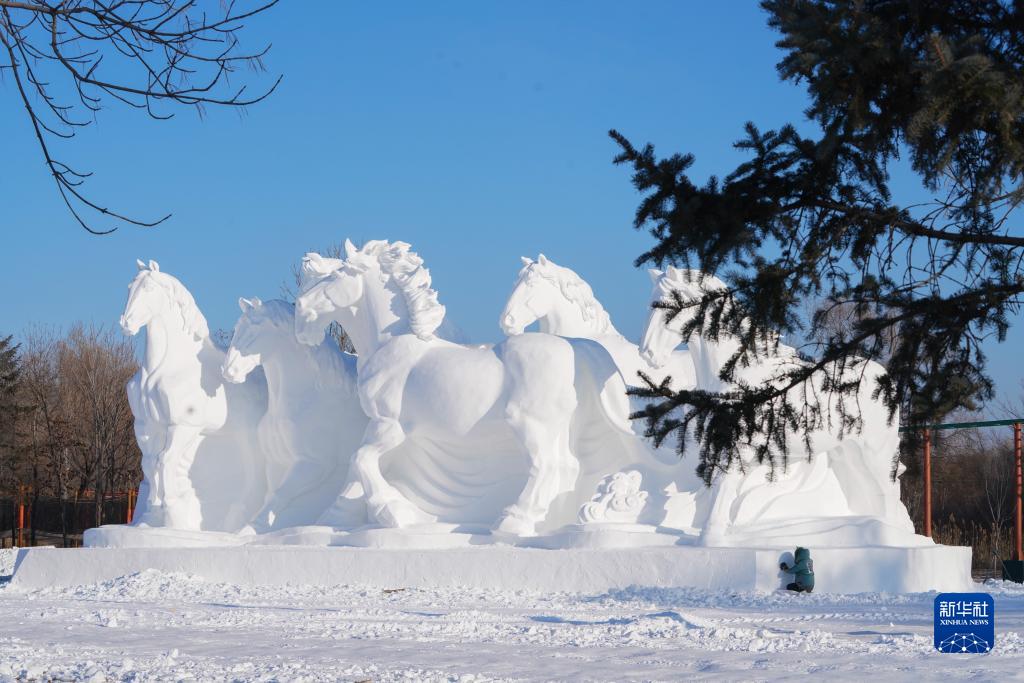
column 838, row 570
column 835, row 532
column 435, row 536
column 125, row 536
column 420, row 537
column 823, row 532
column 608, row 535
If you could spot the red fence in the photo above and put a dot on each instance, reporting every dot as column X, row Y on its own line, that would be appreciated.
column 25, row 521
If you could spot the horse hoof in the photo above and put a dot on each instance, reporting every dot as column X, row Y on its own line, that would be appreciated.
column 346, row 513
column 398, row 514
column 712, row 537
column 514, row 525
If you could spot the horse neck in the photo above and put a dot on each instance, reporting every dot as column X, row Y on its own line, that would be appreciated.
column 379, row 316
column 290, row 367
column 169, row 345
column 709, row 357
column 565, row 319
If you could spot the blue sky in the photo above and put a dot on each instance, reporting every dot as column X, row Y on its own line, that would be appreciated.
column 475, row 131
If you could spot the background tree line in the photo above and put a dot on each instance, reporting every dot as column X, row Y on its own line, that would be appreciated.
column 972, row 488
column 66, row 430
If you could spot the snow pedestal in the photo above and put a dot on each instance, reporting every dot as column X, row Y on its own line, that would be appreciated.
column 837, row 570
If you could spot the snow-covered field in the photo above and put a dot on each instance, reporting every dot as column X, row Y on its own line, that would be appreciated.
column 158, row 626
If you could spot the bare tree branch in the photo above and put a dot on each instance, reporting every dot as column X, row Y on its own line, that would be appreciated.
column 151, row 55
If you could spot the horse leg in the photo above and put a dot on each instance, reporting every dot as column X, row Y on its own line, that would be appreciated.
column 385, row 503
column 725, row 491
column 182, row 506
column 553, row 471
column 150, row 508
column 568, row 466
column 349, row 508
column 300, row 487
column 541, row 403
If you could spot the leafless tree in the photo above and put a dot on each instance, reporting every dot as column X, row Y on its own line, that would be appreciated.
column 833, row 317
column 222, row 337
column 44, row 415
column 68, row 57
column 75, row 431
column 981, row 459
column 997, row 476
column 95, row 366
column 1013, row 408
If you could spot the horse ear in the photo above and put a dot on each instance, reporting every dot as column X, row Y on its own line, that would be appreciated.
column 655, row 275
column 244, row 304
column 350, row 249
column 154, row 266
column 542, row 259
column 526, row 260
column 256, row 303
column 141, row 264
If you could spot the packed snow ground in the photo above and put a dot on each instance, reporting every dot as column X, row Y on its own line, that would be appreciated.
column 160, row 626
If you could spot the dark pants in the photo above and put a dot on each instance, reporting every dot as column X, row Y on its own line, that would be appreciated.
column 798, row 588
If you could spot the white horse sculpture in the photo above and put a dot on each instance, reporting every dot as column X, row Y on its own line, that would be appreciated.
column 412, row 384
column 849, row 475
column 562, row 303
column 180, row 402
column 313, row 422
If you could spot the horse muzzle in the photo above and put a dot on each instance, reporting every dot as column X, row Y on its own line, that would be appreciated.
column 509, row 327
column 236, row 367
column 231, row 373
column 128, row 328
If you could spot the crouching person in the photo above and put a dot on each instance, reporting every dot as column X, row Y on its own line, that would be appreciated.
column 802, row 570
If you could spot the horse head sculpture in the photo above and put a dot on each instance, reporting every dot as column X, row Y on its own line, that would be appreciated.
column 558, row 299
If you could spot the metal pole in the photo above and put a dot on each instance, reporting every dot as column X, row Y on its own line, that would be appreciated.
column 927, row 483
column 21, row 524
column 1018, row 490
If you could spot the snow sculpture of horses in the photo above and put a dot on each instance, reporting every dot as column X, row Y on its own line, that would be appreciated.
column 562, row 303
column 849, row 475
column 313, row 421
column 413, row 384
column 196, row 435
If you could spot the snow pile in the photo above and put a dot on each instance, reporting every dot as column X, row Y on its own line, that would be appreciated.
column 999, row 588
column 171, row 665
column 699, row 598
column 182, row 626
column 7, row 556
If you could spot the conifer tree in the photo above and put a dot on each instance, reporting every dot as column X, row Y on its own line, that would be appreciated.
column 9, row 374
column 811, row 218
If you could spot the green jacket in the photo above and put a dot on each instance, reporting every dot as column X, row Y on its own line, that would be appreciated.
column 803, row 568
